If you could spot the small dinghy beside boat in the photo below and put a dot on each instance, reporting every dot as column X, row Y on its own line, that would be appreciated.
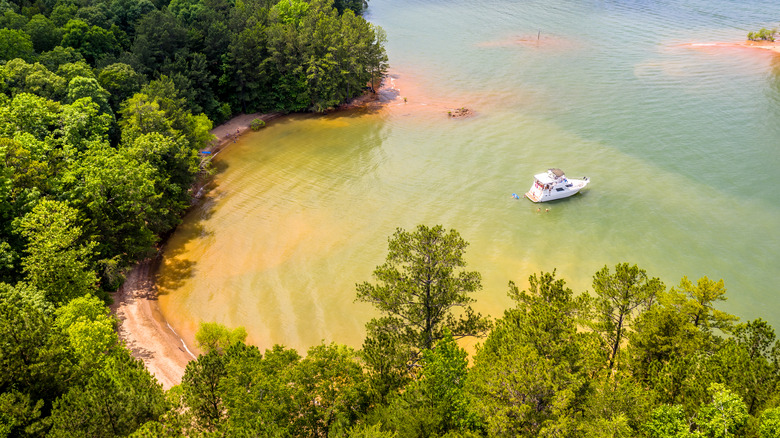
column 553, row 185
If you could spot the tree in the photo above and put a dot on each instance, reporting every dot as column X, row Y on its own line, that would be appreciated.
column 44, row 34
column 769, row 423
column 92, row 42
column 437, row 403
column 21, row 77
column 419, row 288
column 116, row 193
column 441, row 390
column 700, row 305
column 82, row 123
column 533, row 372
column 30, row 114
column 59, row 55
column 90, row 329
column 121, row 81
column 667, row 421
column 127, row 12
column 386, row 360
column 15, row 44
column 212, row 336
column 330, row 391
column 679, row 323
column 175, row 166
column 81, row 87
column 72, row 70
column 11, row 20
column 35, row 364
column 258, row 393
column 618, row 297
column 725, row 416
column 159, row 36
column 115, row 400
column 201, row 385
column 748, row 364
column 57, row 262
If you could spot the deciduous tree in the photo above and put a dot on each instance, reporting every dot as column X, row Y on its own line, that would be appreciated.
column 57, row 260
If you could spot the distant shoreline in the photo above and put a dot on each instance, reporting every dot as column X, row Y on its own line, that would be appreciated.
column 773, row 46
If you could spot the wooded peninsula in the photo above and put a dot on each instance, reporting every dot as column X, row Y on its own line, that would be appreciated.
column 104, row 108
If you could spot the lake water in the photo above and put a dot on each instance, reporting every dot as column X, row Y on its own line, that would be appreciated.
column 681, row 140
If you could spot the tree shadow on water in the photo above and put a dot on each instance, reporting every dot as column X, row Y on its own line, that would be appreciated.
column 177, row 271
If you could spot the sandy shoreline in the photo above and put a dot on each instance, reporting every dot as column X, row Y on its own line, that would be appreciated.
column 773, row 46
column 142, row 326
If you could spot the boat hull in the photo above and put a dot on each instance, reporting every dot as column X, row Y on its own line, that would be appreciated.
column 572, row 187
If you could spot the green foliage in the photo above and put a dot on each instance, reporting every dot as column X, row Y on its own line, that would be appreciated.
column 330, row 392
column 257, row 124
column 90, row 330
column 370, row 431
column 21, row 77
column 59, row 55
column 533, row 372
column 15, row 44
column 93, row 42
column 387, row 361
column 762, row 35
column 770, row 423
column 700, row 306
column 212, row 336
column 121, row 81
column 619, row 297
column 56, row 261
column 116, row 193
column 82, row 87
column 419, row 288
column 241, row 392
column 44, row 34
column 725, row 416
column 201, row 384
column 440, row 393
column 34, row 360
column 12, row 20
column 113, row 402
column 667, row 421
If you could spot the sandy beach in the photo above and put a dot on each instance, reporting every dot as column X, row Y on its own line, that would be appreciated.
column 142, row 326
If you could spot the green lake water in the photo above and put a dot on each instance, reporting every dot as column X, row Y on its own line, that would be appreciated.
column 681, row 140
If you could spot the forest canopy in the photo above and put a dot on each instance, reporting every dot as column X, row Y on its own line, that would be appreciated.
column 223, row 56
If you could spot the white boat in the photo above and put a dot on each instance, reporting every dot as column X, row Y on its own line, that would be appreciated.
column 553, row 185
